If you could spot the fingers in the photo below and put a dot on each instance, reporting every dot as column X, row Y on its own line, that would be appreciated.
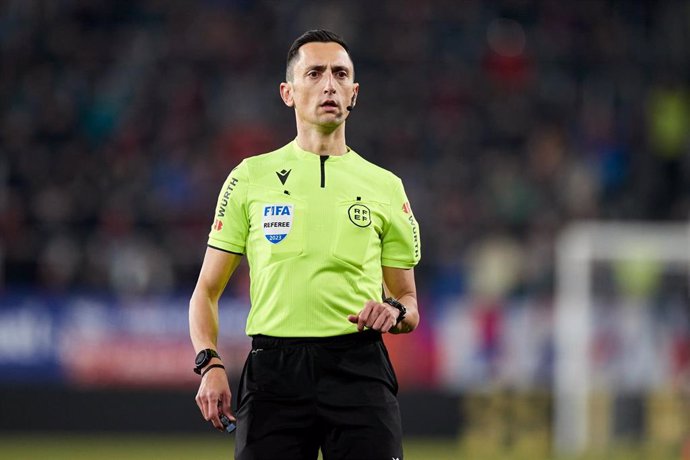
column 200, row 402
column 208, row 403
column 213, row 414
column 362, row 319
column 365, row 316
column 225, row 406
column 382, row 323
column 374, row 315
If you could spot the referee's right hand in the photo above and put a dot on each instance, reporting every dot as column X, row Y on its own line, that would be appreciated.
column 214, row 397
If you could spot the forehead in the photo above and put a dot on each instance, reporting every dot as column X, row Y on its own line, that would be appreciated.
column 319, row 53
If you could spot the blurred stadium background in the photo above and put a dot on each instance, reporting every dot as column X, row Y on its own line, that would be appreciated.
column 520, row 129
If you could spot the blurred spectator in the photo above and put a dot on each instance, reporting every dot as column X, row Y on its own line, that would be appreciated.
column 120, row 120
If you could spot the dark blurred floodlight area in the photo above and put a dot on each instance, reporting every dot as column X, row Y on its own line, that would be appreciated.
column 544, row 146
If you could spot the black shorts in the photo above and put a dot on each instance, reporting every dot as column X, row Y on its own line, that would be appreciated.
column 337, row 394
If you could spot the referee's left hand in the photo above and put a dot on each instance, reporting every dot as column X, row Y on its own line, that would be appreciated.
column 375, row 315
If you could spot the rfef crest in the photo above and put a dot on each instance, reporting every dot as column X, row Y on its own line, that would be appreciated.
column 359, row 215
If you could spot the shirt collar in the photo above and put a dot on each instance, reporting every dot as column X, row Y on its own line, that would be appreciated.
column 300, row 153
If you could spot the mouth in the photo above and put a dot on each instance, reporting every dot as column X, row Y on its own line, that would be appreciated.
column 330, row 103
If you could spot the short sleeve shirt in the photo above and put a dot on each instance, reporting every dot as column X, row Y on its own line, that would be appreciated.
column 316, row 231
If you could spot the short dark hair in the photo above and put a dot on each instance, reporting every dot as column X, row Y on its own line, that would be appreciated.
column 317, row 35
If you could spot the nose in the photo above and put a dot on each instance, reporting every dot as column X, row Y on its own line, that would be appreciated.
column 329, row 88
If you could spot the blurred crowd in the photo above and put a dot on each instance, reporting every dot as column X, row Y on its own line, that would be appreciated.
column 119, row 121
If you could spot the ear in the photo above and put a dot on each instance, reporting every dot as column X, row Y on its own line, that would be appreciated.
column 355, row 92
column 286, row 94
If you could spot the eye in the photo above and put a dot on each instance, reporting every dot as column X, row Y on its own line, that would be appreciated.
column 313, row 73
column 341, row 74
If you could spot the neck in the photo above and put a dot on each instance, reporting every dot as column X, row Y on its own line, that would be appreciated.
column 322, row 142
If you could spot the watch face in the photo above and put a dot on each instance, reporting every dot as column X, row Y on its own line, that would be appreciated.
column 200, row 358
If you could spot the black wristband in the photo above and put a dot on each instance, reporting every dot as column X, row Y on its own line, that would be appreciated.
column 212, row 366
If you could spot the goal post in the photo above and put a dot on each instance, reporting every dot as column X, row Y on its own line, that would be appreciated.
column 578, row 248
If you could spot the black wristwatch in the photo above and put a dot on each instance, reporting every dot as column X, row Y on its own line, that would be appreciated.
column 203, row 358
column 401, row 308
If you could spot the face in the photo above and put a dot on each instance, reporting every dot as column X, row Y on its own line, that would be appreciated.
column 322, row 85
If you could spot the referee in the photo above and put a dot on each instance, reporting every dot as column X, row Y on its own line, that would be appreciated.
column 323, row 230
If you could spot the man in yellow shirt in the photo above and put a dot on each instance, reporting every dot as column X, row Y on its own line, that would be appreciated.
column 323, row 230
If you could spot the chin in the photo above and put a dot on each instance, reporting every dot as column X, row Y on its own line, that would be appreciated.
column 330, row 119
column 331, row 124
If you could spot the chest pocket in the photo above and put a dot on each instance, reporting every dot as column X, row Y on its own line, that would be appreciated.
column 358, row 225
column 281, row 226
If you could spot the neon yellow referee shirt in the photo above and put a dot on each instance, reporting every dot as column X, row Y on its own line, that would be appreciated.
column 316, row 231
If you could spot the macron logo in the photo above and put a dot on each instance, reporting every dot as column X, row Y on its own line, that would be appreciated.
column 283, row 175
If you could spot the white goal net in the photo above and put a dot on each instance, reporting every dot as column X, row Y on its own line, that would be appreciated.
column 621, row 331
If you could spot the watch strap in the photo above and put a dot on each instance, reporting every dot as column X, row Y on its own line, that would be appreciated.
column 401, row 308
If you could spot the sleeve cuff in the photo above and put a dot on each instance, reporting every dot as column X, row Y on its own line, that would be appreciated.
column 394, row 263
column 225, row 246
